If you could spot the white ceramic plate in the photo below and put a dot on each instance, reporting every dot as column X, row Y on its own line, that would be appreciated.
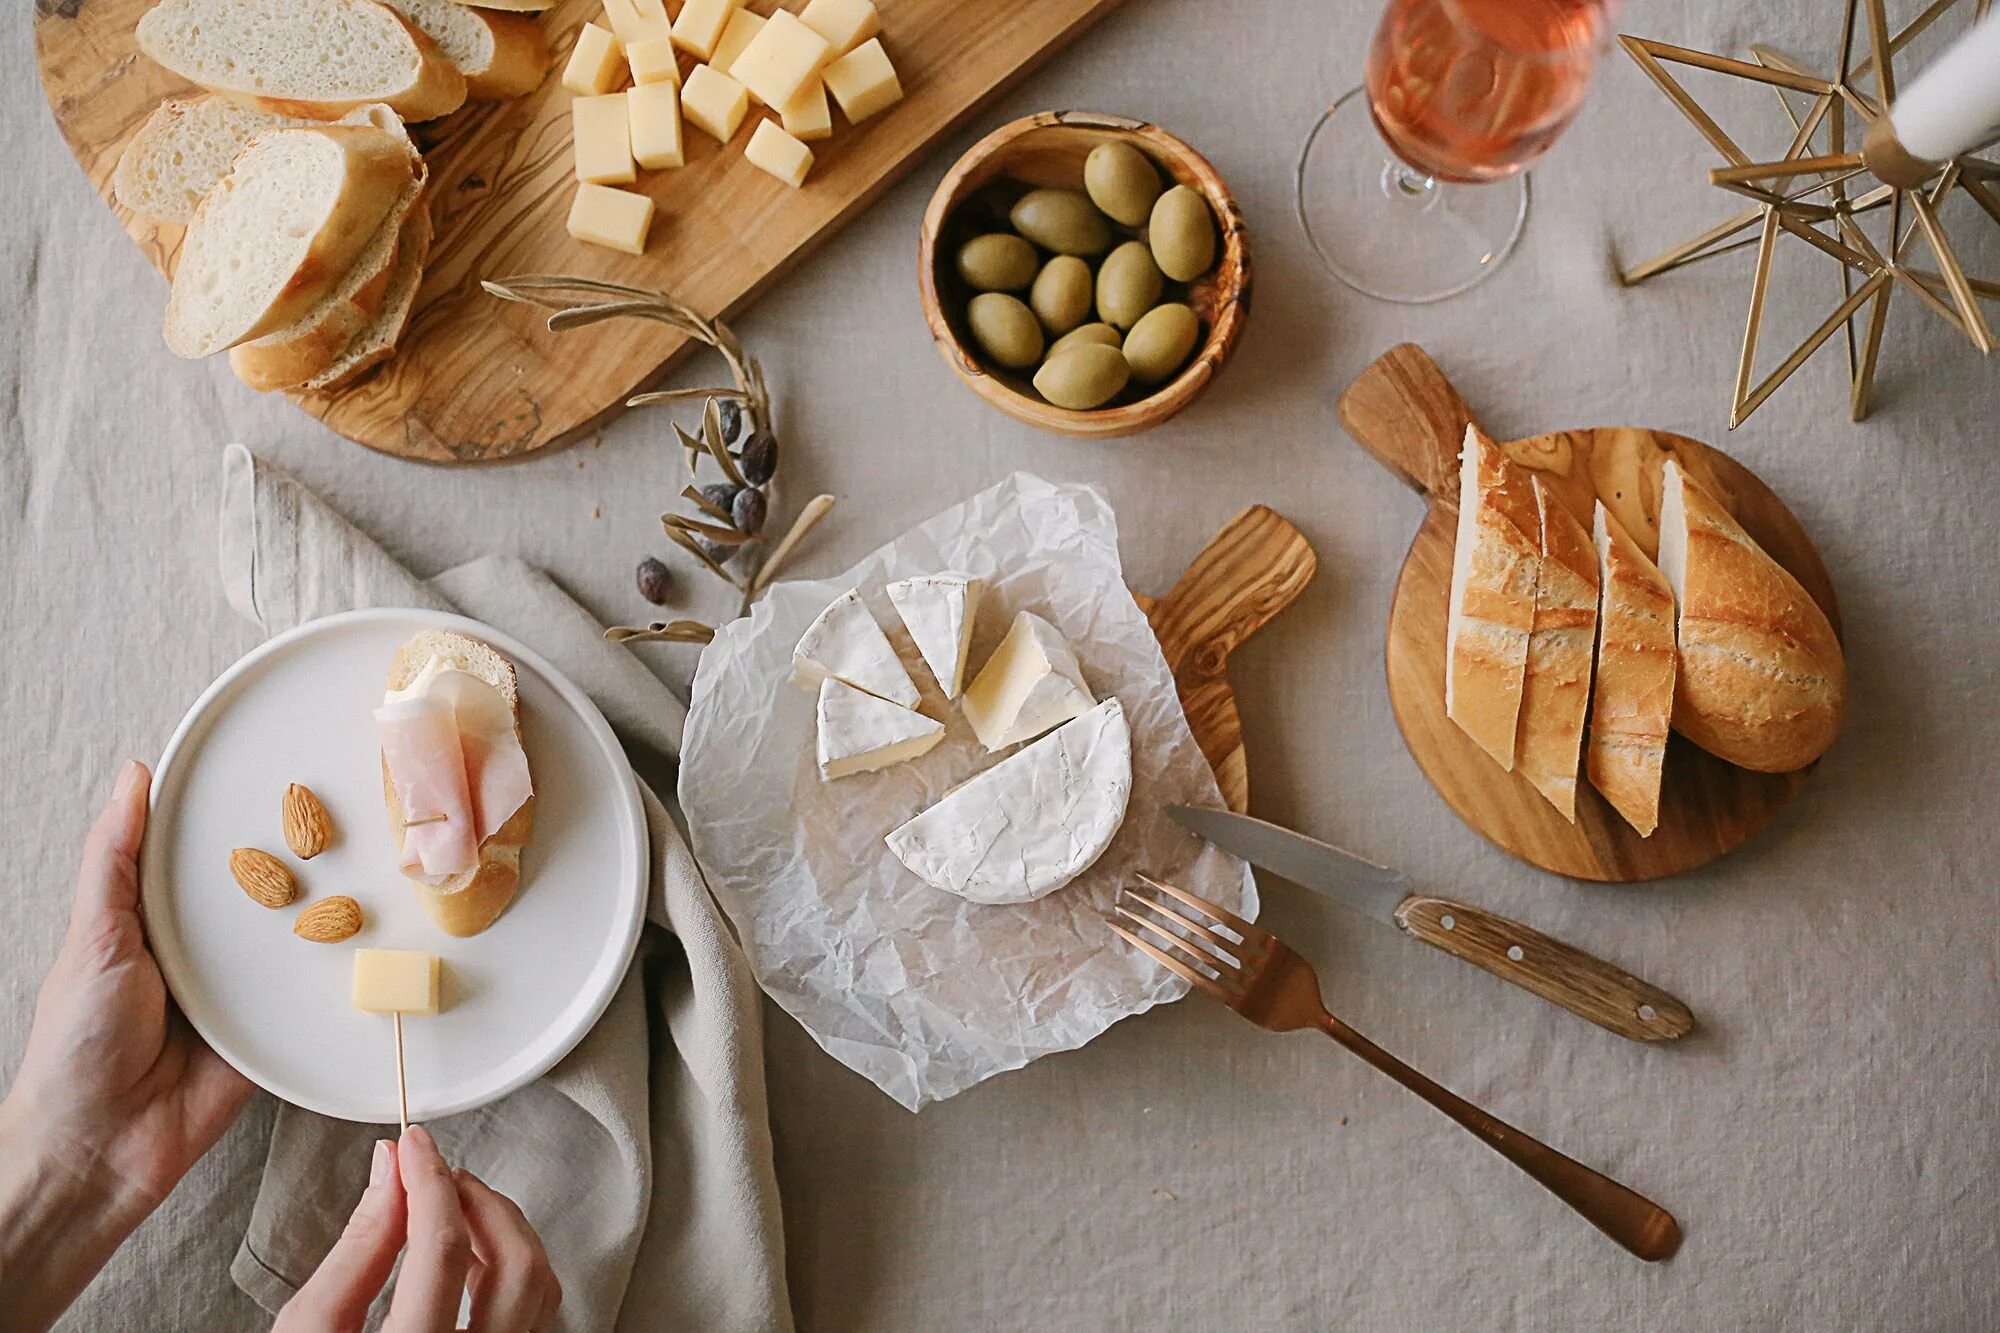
column 517, row 997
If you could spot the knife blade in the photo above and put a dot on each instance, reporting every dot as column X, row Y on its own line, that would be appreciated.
column 1540, row 964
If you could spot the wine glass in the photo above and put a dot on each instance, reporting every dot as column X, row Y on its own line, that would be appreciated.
column 1463, row 94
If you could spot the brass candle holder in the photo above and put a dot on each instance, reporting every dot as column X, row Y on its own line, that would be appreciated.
column 1847, row 184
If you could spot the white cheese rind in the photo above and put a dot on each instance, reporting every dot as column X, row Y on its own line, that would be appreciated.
column 859, row 733
column 1031, row 683
column 846, row 644
column 939, row 610
column 1031, row 823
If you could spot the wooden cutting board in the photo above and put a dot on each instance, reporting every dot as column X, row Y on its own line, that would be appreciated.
column 480, row 380
column 1404, row 412
column 1247, row 573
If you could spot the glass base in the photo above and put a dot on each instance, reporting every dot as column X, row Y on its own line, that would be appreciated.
column 1389, row 231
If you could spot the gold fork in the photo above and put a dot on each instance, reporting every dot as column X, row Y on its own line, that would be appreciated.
column 1263, row 980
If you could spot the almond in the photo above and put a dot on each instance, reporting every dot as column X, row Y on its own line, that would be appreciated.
column 263, row 876
column 308, row 830
column 329, row 921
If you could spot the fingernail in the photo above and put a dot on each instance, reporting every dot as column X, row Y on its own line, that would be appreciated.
column 421, row 1137
column 379, row 1168
column 128, row 779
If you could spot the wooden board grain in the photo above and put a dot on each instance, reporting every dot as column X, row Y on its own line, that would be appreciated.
column 479, row 380
column 1405, row 412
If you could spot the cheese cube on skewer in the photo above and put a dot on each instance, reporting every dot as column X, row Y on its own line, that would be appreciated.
column 656, row 125
column 596, row 62
column 780, row 59
column 774, row 151
column 863, row 81
column 845, row 24
column 713, row 102
column 396, row 981
column 654, row 62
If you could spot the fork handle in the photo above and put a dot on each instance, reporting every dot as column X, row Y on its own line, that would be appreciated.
column 1634, row 1221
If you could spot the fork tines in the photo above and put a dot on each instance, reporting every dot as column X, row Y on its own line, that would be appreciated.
column 1199, row 952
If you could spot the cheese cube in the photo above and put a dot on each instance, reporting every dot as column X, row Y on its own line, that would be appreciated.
column 777, row 152
column 396, row 981
column 700, row 26
column 601, row 135
column 780, row 59
column 742, row 26
column 638, row 21
column 654, row 62
column 596, row 63
column 863, row 81
column 614, row 219
column 806, row 116
column 656, row 125
column 845, row 24
column 713, row 102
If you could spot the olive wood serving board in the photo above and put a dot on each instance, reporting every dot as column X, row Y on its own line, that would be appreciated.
column 480, row 380
column 1405, row 413
column 1248, row 572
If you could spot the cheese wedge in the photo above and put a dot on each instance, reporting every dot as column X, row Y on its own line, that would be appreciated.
column 1492, row 608
column 939, row 611
column 1031, row 683
column 1632, row 704
column 1555, row 686
column 1031, row 823
column 846, row 644
column 859, row 733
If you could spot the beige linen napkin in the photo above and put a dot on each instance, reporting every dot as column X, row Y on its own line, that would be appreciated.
column 644, row 1158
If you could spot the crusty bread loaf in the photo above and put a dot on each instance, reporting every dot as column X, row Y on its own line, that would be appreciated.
column 1632, row 704
column 376, row 342
column 1492, row 606
column 466, row 904
column 319, row 58
column 280, row 231
column 1763, row 682
column 501, row 55
column 1555, row 688
column 183, row 149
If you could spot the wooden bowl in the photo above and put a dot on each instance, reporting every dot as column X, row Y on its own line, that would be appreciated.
column 1048, row 149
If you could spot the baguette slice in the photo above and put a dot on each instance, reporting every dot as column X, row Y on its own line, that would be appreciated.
column 466, row 904
column 1763, row 682
column 376, row 343
column 1493, row 572
column 500, row 55
column 281, row 230
column 1633, row 705
column 318, row 58
column 183, row 149
column 1555, row 689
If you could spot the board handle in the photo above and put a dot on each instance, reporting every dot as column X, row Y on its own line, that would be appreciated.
column 1588, row 987
column 1404, row 411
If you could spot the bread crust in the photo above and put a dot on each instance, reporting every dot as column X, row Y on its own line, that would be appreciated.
column 1492, row 605
column 413, row 250
column 1555, row 687
column 520, row 59
column 1632, row 704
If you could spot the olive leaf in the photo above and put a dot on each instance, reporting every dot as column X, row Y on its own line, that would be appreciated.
column 702, row 502
column 673, row 631
column 711, row 435
column 687, row 542
column 814, row 511
column 722, row 535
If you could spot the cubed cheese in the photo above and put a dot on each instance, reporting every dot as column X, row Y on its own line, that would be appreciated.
column 601, row 135
column 396, row 981
column 806, row 116
column 783, row 55
column 779, row 153
column 713, row 102
column 700, row 26
column 638, row 21
column 615, row 219
column 596, row 63
column 656, row 125
column 654, row 62
column 863, row 81
column 845, row 24
column 736, row 35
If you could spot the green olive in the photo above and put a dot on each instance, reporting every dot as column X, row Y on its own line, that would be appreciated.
column 1121, row 180
column 1083, row 377
column 1182, row 233
column 1128, row 284
column 1064, row 221
column 1101, row 334
column 1061, row 294
column 1006, row 329
column 997, row 262
column 1160, row 342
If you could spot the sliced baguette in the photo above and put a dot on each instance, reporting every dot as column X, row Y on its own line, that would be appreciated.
column 183, row 149
column 318, row 58
column 1632, row 704
column 1492, row 608
column 376, row 343
column 468, row 903
column 501, row 55
column 281, row 230
column 1555, row 687
column 1763, row 682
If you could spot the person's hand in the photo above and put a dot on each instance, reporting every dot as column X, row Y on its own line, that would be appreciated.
column 456, row 1234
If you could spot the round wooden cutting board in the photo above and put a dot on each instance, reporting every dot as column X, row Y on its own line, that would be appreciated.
column 1405, row 413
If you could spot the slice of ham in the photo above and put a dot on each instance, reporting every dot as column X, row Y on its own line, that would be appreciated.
column 456, row 766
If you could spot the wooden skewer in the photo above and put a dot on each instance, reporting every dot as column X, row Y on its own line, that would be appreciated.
column 402, row 1085
column 425, row 819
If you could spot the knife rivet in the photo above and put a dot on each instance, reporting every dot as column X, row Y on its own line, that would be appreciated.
column 1446, row 922
column 1515, row 952
column 1646, row 1012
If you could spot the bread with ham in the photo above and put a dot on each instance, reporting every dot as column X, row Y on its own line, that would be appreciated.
column 455, row 777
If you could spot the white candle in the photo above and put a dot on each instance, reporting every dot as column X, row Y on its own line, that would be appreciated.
column 1953, row 107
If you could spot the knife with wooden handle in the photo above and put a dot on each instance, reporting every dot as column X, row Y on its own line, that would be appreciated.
column 1560, row 973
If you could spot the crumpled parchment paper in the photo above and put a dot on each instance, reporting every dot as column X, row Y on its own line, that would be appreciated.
column 917, row 989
